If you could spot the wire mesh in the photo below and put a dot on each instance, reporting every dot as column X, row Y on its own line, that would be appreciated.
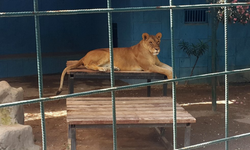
column 36, row 13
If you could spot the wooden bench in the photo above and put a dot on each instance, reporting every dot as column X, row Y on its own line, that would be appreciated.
column 96, row 112
column 82, row 73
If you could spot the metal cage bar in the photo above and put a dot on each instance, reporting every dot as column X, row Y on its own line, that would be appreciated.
column 39, row 72
column 173, row 83
column 112, row 77
column 160, row 82
column 112, row 89
column 112, row 10
column 226, row 76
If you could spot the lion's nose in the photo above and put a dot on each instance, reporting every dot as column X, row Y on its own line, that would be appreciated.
column 157, row 49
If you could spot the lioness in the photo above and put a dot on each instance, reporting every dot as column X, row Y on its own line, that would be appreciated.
column 142, row 56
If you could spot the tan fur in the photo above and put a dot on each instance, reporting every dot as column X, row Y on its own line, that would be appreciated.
column 142, row 56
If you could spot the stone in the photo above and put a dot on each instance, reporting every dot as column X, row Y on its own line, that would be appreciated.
column 17, row 137
column 13, row 114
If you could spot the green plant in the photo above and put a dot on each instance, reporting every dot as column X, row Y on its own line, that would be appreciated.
column 235, row 13
column 196, row 50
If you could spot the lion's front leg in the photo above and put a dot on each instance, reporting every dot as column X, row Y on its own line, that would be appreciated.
column 165, row 66
column 160, row 64
column 157, row 69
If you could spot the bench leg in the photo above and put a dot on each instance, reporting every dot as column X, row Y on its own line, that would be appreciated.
column 166, row 143
column 71, row 83
column 148, row 88
column 72, row 137
column 165, row 89
column 187, row 135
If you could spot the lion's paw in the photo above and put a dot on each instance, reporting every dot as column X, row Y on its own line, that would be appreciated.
column 116, row 69
column 103, row 69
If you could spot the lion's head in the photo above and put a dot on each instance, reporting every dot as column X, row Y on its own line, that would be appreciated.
column 152, row 42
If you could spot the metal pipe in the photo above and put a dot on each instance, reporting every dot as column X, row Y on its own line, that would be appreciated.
column 113, row 10
column 213, row 57
column 173, row 74
column 112, row 77
column 226, row 76
column 39, row 72
column 214, row 142
column 160, row 82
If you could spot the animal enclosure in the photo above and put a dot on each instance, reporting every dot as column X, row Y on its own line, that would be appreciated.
column 109, row 10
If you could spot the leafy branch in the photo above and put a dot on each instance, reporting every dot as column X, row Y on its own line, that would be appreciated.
column 235, row 14
column 196, row 50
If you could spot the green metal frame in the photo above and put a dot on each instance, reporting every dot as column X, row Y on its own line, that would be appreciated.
column 109, row 10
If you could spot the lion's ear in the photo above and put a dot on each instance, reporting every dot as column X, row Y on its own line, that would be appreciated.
column 145, row 36
column 159, row 35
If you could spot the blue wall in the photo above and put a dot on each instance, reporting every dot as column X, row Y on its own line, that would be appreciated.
column 158, row 21
column 62, row 37
column 71, row 37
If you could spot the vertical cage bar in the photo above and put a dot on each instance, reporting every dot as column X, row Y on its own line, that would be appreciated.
column 110, row 34
column 173, row 83
column 226, row 77
column 213, row 59
column 39, row 72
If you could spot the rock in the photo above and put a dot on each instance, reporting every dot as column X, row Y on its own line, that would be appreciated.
column 18, row 137
column 14, row 114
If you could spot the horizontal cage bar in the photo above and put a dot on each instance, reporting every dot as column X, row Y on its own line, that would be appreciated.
column 113, row 10
column 122, row 87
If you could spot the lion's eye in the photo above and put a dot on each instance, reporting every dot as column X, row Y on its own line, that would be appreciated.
column 150, row 42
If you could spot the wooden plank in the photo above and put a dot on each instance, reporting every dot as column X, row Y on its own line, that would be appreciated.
column 123, row 101
column 149, row 119
column 127, row 114
column 119, row 102
column 96, row 109
column 154, row 119
column 83, row 69
column 129, row 121
column 120, row 99
column 167, row 99
column 129, row 110
column 109, row 105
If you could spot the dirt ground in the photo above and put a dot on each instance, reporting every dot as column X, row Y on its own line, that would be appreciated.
column 196, row 99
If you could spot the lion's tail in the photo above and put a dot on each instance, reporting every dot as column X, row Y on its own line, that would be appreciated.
column 79, row 63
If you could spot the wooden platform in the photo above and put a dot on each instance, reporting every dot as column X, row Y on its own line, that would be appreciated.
column 96, row 112
column 82, row 73
column 142, row 74
column 83, row 69
column 130, row 112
